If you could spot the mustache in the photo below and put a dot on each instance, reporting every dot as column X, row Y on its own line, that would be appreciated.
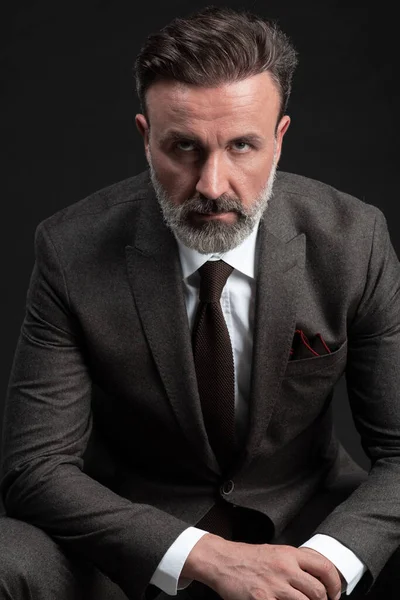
column 208, row 206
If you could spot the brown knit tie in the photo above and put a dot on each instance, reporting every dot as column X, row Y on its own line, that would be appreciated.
column 213, row 359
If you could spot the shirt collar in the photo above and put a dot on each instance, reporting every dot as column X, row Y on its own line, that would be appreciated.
column 241, row 258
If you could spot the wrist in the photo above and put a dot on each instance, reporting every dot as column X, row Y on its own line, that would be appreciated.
column 203, row 560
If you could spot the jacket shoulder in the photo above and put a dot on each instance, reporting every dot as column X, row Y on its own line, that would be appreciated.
column 319, row 209
column 321, row 196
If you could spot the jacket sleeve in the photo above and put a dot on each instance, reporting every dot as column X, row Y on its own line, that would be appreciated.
column 47, row 424
column 369, row 521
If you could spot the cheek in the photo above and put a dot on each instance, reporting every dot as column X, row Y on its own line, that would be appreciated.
column 177, row 180
column 251, row 178
column 253, row 166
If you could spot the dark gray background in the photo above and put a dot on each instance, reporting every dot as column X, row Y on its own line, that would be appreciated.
column 68, row 103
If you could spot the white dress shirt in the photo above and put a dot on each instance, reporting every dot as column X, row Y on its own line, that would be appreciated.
column 238, row 307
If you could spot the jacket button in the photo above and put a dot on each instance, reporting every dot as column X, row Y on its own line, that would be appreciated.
column 227, row 487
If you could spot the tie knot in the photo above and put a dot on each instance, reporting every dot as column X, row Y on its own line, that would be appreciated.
column 214, row 274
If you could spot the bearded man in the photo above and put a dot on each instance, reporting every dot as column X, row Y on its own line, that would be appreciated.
column 168, row 427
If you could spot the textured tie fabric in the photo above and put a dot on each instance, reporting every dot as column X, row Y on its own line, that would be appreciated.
column 213, row 358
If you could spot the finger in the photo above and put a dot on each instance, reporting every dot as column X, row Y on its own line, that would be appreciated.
column 310, row 586
column 320, row 567
column 290, row 593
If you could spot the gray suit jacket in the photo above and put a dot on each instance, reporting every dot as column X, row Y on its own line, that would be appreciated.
column 104, row 443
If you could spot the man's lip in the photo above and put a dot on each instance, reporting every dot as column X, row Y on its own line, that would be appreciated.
column 228, row 217
column 217, row 215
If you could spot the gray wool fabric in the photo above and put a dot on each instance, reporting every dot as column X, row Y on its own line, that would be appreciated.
column 104, row 445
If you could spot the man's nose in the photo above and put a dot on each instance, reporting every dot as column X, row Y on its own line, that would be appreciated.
column 213, row 178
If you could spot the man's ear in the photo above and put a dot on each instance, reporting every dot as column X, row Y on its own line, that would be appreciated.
column 282, row 128
column 144, row 130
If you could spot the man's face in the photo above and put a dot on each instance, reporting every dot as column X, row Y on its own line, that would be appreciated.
column 212, row 154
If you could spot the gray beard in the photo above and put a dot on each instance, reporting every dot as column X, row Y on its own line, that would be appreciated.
column 212, row 236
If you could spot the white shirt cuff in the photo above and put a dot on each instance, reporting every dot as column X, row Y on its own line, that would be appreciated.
column 344, row 559
column 166, row 576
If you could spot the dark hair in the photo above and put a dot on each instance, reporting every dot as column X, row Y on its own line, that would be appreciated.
column 214, row 46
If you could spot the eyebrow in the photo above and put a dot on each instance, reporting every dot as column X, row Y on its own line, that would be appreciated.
column 174, row 135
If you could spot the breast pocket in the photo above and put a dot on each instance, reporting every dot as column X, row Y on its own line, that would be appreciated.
column 308, row 366
column 305, row 393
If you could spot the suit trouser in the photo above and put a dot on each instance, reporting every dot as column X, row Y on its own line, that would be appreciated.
column 33, row 567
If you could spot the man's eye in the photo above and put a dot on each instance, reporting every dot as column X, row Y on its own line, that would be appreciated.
column 239, row 145
column 181, row 146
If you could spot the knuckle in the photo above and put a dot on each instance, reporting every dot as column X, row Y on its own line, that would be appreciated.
column 260, row 594
column 257, row 594
column 327, row 566
column 318, row 592
column 321, row 594
column 280, row 564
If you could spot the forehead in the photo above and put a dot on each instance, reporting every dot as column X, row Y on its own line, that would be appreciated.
column 252, row 101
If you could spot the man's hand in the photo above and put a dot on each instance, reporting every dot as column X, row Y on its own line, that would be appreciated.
column 238, row 571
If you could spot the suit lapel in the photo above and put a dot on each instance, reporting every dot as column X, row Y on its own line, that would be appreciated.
column 156, row 281
column 279, row 280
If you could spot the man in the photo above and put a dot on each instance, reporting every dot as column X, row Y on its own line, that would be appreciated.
column 168, row 422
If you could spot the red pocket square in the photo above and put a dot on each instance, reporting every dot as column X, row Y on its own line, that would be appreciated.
column 302, row 347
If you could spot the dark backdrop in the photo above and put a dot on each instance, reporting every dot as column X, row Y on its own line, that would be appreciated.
column 68, row 103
